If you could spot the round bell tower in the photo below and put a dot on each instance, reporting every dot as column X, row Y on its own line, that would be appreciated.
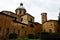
column 44, row 17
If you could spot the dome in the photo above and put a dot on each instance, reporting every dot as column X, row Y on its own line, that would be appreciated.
column 21, row 6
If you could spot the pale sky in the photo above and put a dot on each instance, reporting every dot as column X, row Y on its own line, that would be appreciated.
column 34, row 7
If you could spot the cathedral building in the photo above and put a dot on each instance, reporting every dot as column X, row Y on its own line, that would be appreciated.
column 23, row 25
column 20, row 22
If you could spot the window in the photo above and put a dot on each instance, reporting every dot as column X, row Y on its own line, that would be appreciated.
column 18, row 32
column 58, row 30
column 31, row 19
column 7, row 31
column 50, row 25
column 0, row 28
column 15, row 18
column 14, row 30
column 32, row 25
column 22, row 26
column 20, row 12
column 21, row 19
column 25, row 33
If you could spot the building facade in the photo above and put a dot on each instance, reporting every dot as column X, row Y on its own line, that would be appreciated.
column 23, row 24
column 19, row 22
column 49, row 25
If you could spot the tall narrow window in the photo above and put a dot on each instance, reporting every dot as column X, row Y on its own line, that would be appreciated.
column 25, row 33
column 0, row 28
column 14, row 30
column 58, row 30
column 20, row 11
column 15, row 18
column 18, row 32
column 31, row 19
column 7, row 31
column 21, row 19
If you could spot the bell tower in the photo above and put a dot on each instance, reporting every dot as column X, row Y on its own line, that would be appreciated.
column 44, row 17
column 20, row 10
column 59, row 15
column 58, row 29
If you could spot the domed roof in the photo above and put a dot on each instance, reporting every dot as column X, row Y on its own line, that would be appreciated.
column 21, row 6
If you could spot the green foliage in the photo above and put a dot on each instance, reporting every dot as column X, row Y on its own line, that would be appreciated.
column 12, row 36
column 24, row 39
column 16, row 39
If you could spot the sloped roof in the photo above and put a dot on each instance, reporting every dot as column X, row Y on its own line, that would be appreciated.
column 26, row 14
column 6, row 15
column 50, row 21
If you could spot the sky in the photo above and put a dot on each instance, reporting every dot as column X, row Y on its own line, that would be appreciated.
column 34, row 7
